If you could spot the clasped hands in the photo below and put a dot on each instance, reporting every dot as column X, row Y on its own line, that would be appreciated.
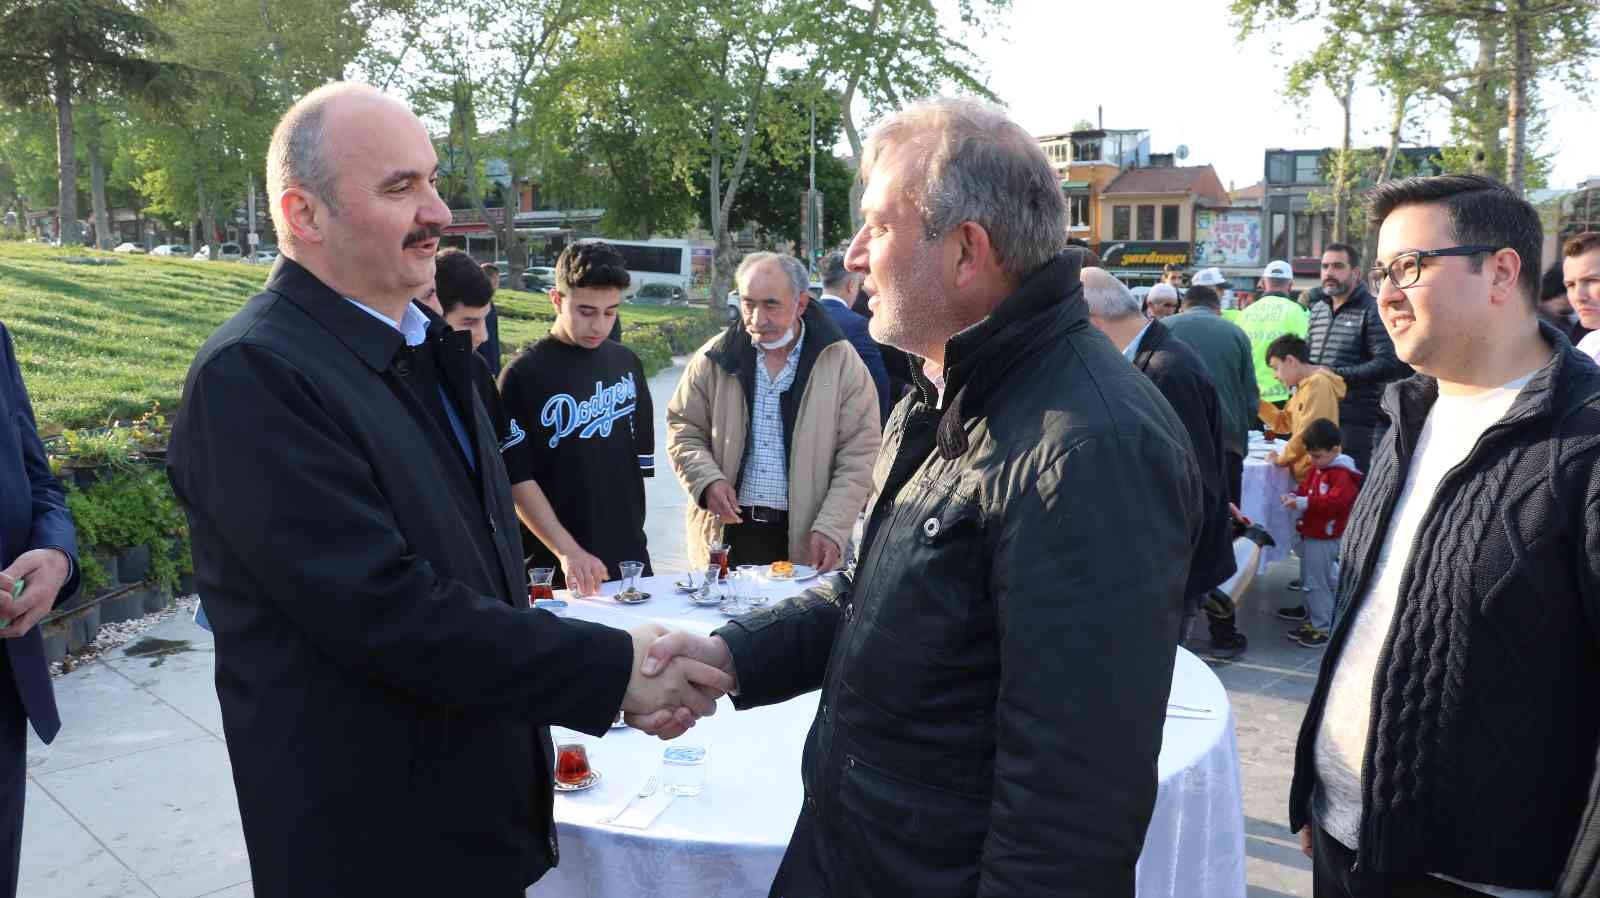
column 676, row 679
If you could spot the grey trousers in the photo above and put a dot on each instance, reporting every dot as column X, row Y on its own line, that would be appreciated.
column 1319, row 571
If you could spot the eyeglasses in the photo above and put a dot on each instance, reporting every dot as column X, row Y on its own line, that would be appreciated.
column 1404, row 270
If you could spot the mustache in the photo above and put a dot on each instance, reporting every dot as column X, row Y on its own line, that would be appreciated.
column 430, row 232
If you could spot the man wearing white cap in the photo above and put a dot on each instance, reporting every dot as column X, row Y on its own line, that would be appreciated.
column 1269, row 318
column 1161, row 302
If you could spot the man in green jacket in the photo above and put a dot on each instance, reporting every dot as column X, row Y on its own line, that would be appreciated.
column 1269, row 318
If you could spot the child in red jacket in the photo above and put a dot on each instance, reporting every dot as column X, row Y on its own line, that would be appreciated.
column 1324, row 499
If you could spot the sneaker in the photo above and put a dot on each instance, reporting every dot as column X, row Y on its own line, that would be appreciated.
column 1296, row 612
column 1228, row 647
column 1312, row 638
column 1298, row 585
column 1294, row 634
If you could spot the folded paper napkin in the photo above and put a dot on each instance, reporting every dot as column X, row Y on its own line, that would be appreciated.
column 644, row 811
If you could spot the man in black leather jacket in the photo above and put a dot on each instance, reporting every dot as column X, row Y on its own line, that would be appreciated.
column 995, row 672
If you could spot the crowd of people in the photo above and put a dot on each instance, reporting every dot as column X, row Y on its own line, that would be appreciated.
column 1047, row 474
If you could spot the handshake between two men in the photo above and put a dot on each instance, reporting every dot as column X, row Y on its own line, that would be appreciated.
column 677, row 678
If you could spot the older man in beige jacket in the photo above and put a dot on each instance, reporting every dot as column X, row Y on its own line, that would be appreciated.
column 774, row 428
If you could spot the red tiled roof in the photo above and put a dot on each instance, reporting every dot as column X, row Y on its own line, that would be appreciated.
column 1255, row 191
column 1196, row 179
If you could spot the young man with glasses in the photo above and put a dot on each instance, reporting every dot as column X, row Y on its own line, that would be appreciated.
column 1347, row 337
column 1449, row 747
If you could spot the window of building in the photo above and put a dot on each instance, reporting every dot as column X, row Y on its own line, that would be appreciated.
column 1169, row 223
column 1280, row 235
column 1078, row 211
column 1086, row 150
column 1120, row 221
column 1280, row 168
column 1147, row 223
column 1302, row 233
column 1307, row 168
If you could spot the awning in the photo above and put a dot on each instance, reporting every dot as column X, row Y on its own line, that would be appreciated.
column 1074, row 185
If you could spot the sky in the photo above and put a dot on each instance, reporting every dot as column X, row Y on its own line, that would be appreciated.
column 1176, row 68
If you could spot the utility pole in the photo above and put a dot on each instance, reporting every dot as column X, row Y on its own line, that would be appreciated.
column 250, row 213
column 813, row 212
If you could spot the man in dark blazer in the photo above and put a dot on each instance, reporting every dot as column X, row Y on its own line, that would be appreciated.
column 385, row 688
column 837, row 284
column 38, row 547
column 1181, row 377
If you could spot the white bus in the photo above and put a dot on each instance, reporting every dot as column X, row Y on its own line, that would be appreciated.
column 662, row 261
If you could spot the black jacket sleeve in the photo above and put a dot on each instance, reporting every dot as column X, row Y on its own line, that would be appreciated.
column 298, row 507
column 1380, row 365
column 782, row 651
column 52, row 522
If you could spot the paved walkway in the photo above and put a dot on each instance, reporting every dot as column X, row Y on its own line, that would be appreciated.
column 135, row 799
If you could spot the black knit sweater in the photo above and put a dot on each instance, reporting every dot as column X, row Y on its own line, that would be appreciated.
column 1480, row 763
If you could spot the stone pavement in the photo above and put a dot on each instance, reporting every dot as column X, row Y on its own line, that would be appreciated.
column 135, row 799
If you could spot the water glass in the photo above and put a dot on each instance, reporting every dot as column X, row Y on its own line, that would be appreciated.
column 683, row 770
column 750, row 585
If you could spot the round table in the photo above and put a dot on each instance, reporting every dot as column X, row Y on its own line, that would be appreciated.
column 728, row 840
column 1262, row 488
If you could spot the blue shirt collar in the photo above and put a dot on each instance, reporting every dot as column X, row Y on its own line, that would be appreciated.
column 413, row 325
column 1133, row 348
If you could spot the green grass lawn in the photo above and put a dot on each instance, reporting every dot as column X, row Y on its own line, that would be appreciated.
column 101, row 341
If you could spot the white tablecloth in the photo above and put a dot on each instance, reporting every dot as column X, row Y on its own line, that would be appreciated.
column 1262, row 487
column 728, row 840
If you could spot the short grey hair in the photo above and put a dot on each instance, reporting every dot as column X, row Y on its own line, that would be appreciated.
column 979, row 166
column 300, row 154
column 790, row 265
column 1109, row 299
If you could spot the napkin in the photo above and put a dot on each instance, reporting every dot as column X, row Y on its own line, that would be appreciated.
column 644, row 811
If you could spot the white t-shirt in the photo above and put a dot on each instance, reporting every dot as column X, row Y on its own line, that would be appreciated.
column 1590, row 345
column 1453, row 427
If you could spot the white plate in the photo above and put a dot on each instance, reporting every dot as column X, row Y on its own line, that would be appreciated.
column 801, row 572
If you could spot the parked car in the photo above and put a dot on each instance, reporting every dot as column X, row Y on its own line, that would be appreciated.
column 658, row 294
column 538, row 278
column 226, row 252
column 128, row 248
column 171, row 249
column 733, row 305
column 266, row 255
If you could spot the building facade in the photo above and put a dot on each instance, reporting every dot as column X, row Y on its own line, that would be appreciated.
column 1148, row 218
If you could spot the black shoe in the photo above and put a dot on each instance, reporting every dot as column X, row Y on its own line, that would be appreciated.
column 1229, row 646
column 1296, row 612
column 1293, row 635
column 1311, row 637
column 1298, row 585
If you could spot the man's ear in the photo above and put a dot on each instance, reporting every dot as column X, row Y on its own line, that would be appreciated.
column 1505, row 267
column 556, row 299
column 977, row 253
column 304, row 214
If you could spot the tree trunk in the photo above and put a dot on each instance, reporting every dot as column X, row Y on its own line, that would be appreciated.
column 208, row 221
column 1484, row 99
column 1391, row 155
column 66, row 155
column 1517, row 100
column 722, row 259
column 97, row 181
column 1341, row 187
column 851, row 134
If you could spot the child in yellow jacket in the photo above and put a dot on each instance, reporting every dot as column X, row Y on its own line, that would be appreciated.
column 1317, row 392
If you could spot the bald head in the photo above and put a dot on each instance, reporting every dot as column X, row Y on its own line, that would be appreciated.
column 1108, row 298
column 304, row 152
